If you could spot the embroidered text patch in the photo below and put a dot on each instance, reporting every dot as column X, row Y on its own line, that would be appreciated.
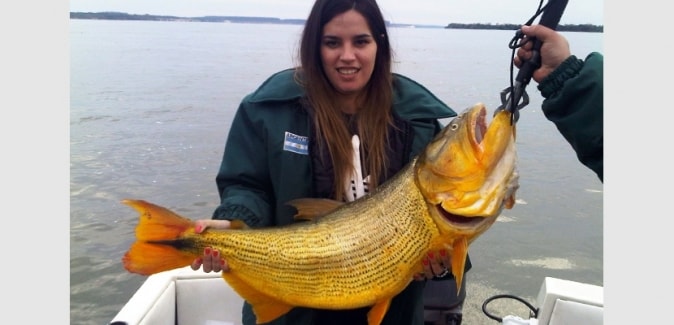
column 296, row 143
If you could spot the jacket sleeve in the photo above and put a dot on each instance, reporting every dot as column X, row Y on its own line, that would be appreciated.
column 574, row 102
column 243, row 180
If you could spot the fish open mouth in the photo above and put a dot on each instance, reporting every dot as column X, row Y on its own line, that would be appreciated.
column 465, row 173
column 479, row 126
column 458, row 220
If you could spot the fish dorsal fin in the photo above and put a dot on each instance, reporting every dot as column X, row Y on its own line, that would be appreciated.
column 459, row 252
column 265, row 308
column 237, row 224
column 376, row 314
column 311, row 208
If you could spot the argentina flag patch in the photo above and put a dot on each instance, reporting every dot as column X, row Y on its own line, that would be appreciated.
column 296, row 143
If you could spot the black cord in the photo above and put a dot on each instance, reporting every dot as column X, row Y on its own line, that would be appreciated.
column 533, row 309
column 514, row 44
column 518, row 34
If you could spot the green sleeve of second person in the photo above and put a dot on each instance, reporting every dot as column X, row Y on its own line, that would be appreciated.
column 574, row 102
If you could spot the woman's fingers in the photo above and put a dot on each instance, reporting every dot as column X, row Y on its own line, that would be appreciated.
column 211, row 261
column 436, row 265
column 203, row 224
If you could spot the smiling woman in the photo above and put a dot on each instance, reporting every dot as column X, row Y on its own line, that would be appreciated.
column 348, row 54
column 341, row 99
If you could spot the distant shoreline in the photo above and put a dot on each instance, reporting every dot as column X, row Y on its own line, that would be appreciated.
column 271, row 20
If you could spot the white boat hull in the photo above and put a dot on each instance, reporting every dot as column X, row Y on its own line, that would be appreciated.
column 182, row 296
column 187, row 297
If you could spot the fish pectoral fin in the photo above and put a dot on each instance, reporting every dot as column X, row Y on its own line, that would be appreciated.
column 265, row 307
column 311, row 209
column 376, row 314
column 509, row 202
column 459, row 253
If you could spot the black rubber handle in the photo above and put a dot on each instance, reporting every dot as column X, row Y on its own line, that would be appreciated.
column 553, row 13
column 551, row 16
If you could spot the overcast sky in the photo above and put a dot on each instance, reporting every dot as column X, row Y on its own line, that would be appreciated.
column 431, row 12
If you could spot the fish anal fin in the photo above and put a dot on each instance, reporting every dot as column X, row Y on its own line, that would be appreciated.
column 267, row 312
column 265, row 307
column 459, row 253
column 376, row 314
column 311, row 208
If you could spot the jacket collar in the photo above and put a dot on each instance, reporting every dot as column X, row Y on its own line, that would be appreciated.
column 411, row 100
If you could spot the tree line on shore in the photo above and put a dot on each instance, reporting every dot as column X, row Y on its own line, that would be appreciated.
column 271, row 20
column 561, row 27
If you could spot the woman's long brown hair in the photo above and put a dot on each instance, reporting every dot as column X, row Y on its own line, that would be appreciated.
column 374, row 114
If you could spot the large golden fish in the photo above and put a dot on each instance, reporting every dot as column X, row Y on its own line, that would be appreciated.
column 361, row 253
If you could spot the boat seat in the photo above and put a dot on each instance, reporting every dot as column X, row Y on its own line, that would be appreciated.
column 190, row 292
column 173, row 298
column 564, row 302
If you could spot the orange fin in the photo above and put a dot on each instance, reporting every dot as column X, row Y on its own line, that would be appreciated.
column 459, row 252
column 237, row 224
column 510, row 202
column 311, row 209
column 147, row 259
column 158, row 223
column 157, row 231
column 265, row 307
column 376, row 314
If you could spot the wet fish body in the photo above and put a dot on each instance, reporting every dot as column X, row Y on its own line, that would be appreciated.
column 361, row 253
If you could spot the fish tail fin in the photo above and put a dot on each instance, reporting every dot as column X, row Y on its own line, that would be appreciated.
column 159, row 239
column 148, row 258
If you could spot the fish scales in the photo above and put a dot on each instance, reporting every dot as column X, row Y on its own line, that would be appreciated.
column 361, row 253
column 353, row 252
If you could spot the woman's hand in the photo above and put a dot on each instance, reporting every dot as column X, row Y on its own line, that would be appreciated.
column 211, row 261
column 436, row 265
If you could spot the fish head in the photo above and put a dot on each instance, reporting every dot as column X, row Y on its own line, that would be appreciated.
column 468, row 174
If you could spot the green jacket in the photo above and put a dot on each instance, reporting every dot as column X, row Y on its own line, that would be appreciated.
column 574, row 101
column 266, row 164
